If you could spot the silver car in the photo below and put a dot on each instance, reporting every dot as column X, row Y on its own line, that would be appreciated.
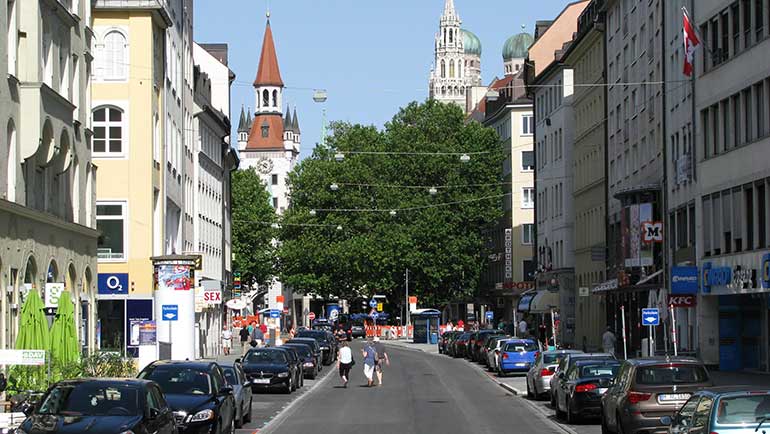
column 493, row 352
column 539, row 376
column 242, row 393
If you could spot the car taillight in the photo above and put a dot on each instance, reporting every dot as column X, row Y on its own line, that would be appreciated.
column 637, row 397
column 537, row 353
column 585, row 388
column 545, row 372
column 505, row 355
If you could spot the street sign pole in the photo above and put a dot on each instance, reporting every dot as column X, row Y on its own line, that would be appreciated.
column 623, row 325
column 406, row 306
column 673, row 329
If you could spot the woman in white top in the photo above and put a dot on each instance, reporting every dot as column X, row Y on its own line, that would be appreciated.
column 344, row 362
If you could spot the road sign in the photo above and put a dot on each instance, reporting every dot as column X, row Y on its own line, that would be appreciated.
column 372, row 303
column 275, row 313
column 285, row 310
column 490, row 315
column 379, row 307
column 170, row 312
column 650, row 316
column 652, row 232
column 311, row 316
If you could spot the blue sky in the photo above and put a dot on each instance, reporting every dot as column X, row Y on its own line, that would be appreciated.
column 372, row 56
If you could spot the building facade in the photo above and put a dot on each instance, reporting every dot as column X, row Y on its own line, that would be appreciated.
column 732, row 85
column 585, row 56
column 129, row 94
column 457, row 61
column 48, row 234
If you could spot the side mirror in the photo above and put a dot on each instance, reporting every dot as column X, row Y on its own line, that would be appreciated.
column 154, row 413
column 238, row 360
column 225, row 391
column 246, row 383
column 665, row 420
column 561, row 375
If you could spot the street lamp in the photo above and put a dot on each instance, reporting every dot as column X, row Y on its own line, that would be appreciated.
column 313, row 213
column 392, row 213
column 432, row 191
column 319, row 95
column 334, row 187
column 465, row 158
column 339, row 156
column 339, row 227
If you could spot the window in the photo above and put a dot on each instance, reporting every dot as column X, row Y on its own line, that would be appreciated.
column 108, row 132
column 443, row 69
column 275, row 202
column 113, row 56
column 12, row 38
column 265, row 98
column 275, row 98
column 527, row 125
column 528, row 197
column 528, row 267
column 527, row 233
column 527, row 160
column 274, row 179
column 110, row 221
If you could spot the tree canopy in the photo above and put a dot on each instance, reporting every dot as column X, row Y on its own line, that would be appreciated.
column 252, row 231
column 365, row 250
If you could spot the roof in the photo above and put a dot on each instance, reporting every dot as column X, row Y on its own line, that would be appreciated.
column 648, row 361
column 295, row 124
column 217, row 50
column 132, row 381
column 287, row 121
column 517, row 45
column 188, row 363
column 243, row 124
column 471, row 43
column 268, row 74
column 274, row 139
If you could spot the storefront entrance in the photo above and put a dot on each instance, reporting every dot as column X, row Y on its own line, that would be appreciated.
column 740, row 332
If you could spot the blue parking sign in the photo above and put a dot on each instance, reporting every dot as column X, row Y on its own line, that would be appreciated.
column 650, row 316
column 490, row 315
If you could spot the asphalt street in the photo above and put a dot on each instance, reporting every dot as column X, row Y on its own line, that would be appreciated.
column 422, row 393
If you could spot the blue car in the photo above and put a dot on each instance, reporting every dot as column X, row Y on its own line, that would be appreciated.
column 517, row 355
column 727, row 409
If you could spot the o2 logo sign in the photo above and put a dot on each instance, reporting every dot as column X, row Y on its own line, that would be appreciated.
column 113, row 283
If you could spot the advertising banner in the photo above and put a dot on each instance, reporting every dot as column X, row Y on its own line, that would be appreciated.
column 175, row 277
column 645, row 255
column 634, row 237
column 684, row 280
column 113, row 283
column 52, row 293
column 148, row 333
column 22, row 357
column 332, row 312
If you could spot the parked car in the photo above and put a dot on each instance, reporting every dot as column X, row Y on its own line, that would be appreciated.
column 517, row 355
column 444, row 340
column 460, row 345
column 539, row 376
column 294, row 358
column 197, row 393
column 566, row 363
column 450, row 344
column 357, row 330
column 309, row 361
column 477, row 350
column 269, row 368
column 314, row 347
column 242, row 393
column 728, row 409
column 101, row 405
column 493, row 351
column 648, row 389
column 326, row 341
column 580, row 392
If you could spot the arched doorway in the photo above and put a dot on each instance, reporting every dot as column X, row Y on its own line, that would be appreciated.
column 20, row 292
column 88, row 313
column 69, row 285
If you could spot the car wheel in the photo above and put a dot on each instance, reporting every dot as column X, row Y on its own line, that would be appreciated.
column 287, row 390
column 529, row 391
column 605, row 430
column 231, row 427
column 247, row 415
column 559, row 414
column 571, row 417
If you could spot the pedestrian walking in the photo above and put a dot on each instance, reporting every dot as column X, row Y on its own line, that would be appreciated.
column 608, row 341
column 244, row 334
column 227, row 340
column 344, row 362
column 382, row 359
column 449, row 326
column 370, row 359
column 257, row 337
column 501, row 325
column 523, row 328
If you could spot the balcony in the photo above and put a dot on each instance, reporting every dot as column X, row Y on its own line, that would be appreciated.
column 161, row 6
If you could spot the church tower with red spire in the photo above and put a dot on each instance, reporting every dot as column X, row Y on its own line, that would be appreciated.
column 272, row 144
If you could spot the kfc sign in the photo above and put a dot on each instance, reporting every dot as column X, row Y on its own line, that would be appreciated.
column 682, row 300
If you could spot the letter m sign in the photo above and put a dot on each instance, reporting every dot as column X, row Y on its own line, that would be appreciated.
column 652, row 232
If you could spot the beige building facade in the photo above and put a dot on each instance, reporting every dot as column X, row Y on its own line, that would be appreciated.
column 47, row 227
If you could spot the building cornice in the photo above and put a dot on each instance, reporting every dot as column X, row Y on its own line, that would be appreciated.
column 47, row 219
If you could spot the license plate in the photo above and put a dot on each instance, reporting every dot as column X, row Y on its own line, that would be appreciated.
column 521, row 364
column 602, row 390
column 673, row 397
column 262, row 381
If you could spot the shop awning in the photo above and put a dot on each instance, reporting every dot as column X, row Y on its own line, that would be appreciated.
column 525, row 301
column 544, row 301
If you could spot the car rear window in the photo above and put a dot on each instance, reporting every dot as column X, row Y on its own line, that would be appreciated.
column 521, row 346
column 602, row 370
column 553, row 359
column 671, row 374
column 743, row 409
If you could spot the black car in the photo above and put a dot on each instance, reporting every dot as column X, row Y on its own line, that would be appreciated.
column 270, row 368
column 309, row 362
column 479, row 347
column 314, row 348
column 101, row 405
column 326, row 342
column 585, row 383
column 198, row 394
column 294, row 358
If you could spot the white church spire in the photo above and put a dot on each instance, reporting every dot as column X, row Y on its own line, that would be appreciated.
column 449, row 9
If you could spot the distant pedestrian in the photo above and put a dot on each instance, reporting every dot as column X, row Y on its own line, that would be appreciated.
column 608, row 341
column 449, row 326
column 244, row 334
column 3, row 386
column 227, row 340
column 523, row 328
column 460, row 326
column 382, row 359
column 370, row 359
column 501, row 325
column 257, row 337
column 344, row 362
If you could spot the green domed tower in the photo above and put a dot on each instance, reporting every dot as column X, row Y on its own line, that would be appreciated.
column 515, row 50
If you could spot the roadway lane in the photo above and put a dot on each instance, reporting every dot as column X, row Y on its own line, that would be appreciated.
column 422, row 394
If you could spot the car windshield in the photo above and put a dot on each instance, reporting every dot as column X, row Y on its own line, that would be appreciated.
column 179, row 380
column 230, row 375
column 91, row 399
column 521, row 346
column 303, row 350
column 553, row 359
column 671, row 374
column 266, row 356
column 312, row 334
column 743, row 409
column 605, row 369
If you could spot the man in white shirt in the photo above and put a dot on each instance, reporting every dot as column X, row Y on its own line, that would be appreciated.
column 523, row 328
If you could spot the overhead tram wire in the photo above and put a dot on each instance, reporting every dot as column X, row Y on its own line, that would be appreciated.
column 407, row 209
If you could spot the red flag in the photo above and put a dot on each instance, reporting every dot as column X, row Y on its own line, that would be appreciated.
column 691, row 43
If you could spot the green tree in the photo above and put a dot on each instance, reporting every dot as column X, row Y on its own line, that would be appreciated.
column 252, row 230
column 439, row 238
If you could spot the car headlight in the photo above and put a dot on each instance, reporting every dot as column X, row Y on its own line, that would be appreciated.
column 202, row 415
column 283, row 374
column 308, row 364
